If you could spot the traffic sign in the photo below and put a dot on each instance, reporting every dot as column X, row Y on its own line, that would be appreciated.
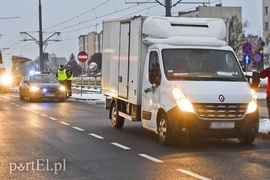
column 82, row 56
column 247, row 59
column 247, row 48
column 257, row 57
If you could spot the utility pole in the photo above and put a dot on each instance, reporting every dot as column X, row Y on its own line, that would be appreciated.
column 40, row 42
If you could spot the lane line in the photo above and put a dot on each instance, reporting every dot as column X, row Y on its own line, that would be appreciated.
column 35, row 112
column 151, row 158
column 52, row 118
column 43, row 115
column 65, row 123
column 79, row 129
column 193, row 174
column 120, row 145
column 96, row 136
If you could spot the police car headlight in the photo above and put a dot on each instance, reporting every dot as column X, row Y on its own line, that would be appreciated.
column 252, row 106
column 183, row 103
column 34, row 88
column 62, row 88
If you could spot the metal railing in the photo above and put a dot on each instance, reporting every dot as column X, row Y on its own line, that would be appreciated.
column 89, row 82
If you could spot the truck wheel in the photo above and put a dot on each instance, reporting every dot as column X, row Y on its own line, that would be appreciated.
column 117, row 121
column 164, row 132
column 247, row 140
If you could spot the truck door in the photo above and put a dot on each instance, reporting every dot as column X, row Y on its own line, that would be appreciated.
column 124, row 60
column 151, row 91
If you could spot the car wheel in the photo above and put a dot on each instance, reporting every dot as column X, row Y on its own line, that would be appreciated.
column 117, row 121
column 164, row 132
column 29, row 98
column 62, row 99
column 247, row 140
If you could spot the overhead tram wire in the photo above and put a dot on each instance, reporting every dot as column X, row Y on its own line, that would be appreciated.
column 117, row 11
column 86, row 21
column 77, row 16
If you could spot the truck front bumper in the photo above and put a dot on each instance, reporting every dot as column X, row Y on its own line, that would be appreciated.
column 192, row 125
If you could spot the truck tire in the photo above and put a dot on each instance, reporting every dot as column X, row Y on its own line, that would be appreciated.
column 117, row 121
column 247, row 140
column 164, row 131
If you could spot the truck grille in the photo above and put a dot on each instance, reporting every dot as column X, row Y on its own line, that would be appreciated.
column 220, row 111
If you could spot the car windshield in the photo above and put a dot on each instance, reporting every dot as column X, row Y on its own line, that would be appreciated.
column 43, row 79
column 201, row 64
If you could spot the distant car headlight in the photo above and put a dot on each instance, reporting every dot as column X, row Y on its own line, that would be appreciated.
column 252, row 106
column 34, row 88
column 62, row 88
column 6, row 79
column 183, row 103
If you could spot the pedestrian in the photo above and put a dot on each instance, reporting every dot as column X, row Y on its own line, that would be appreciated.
column 62, row 75
column 263, row 74
column 69, row 80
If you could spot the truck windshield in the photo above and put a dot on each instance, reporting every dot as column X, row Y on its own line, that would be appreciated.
column 201, row 64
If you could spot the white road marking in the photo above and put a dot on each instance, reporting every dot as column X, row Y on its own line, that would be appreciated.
column 4, row 100
column 65, row 123
column 96, row 136
column 43, row 115
column 13, row 104
column 151, row 158
column 120, row 145
column 77, row 128
column 52, row 118
column 35, row 112
column 193, row 174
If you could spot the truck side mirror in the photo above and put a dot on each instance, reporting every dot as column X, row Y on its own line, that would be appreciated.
column 254, row 80
column 154, row 77
column 151, row 77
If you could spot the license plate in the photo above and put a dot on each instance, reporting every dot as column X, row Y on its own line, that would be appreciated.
column 222, row 125
column 49, row 95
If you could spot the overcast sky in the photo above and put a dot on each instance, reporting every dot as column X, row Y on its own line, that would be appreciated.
column 74, row 18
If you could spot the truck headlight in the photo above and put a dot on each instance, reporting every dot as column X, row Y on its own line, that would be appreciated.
column 252, row 106
column 34, row 88
column 183, row 103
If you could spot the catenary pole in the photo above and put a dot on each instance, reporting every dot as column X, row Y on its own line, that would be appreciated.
column 40, row 39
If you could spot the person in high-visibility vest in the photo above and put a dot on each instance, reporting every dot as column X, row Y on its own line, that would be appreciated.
column 69, row 80
column 62, row 75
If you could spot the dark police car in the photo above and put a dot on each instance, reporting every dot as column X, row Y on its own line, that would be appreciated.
column 38, row 86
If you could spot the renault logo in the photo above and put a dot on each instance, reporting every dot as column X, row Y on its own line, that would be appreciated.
column 221, row 98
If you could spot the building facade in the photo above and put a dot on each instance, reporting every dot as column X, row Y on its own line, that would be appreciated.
column 91, row 44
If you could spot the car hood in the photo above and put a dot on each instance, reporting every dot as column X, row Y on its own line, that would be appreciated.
column 215, row 92
column 52, row 85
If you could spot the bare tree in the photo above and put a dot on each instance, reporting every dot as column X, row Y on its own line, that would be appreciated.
column 235, row 34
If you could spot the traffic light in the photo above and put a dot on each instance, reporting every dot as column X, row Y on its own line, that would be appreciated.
column 1, row 60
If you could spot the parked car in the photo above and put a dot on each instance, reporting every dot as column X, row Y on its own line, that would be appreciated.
column 41, row 86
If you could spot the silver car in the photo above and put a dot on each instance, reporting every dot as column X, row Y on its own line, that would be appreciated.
column 41, row 86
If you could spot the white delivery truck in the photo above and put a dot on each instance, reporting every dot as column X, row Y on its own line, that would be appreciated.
column 178, row 77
